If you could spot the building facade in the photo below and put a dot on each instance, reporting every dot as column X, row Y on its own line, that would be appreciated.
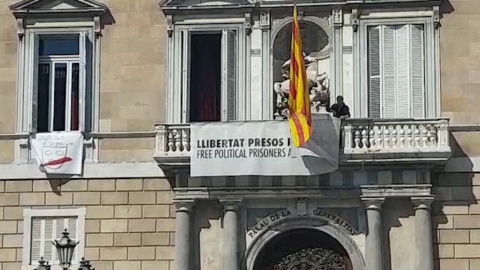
column 133, row 75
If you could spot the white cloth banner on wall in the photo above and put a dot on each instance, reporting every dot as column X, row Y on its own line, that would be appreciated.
column 59, row 152
column 263, row 148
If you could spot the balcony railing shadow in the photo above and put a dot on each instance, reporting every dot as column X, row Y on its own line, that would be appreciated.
column 362, row 140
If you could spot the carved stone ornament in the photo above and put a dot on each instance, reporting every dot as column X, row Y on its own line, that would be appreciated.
column 318, row 86
column 355, row 18
column 312, row 259
column 248, row 24
column 169, row 25
column 265, row 20
column 337, row 18
column 436, row 16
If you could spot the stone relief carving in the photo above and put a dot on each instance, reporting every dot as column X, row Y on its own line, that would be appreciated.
column 316, row 53
column 318, row 85
column 312, row 258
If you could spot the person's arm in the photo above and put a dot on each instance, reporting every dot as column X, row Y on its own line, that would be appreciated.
column 333, row 109
column 347, row 115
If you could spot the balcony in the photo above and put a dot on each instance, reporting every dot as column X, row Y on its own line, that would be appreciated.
column 363, row 141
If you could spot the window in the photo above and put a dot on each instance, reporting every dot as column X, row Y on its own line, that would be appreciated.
column 396, row 71
column 207, row 72
column 42, row 226
column 59, row 74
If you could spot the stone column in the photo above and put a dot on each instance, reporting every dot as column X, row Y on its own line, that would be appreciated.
column 374, row 239
column 182, row 233
column 423, row 233
column 230, row 234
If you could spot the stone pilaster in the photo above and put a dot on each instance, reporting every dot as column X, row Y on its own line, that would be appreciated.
column 374, row 239
column 423, row 233
column 182, row 233
column 230, row 233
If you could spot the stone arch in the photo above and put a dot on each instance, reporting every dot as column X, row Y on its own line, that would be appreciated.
column 294, row 223
column 317, row 44
column 321, row 23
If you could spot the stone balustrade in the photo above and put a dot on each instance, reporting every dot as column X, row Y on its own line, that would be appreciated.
column 362, row 140
column 395, row 140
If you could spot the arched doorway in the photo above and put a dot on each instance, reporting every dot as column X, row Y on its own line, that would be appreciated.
column 303, row 249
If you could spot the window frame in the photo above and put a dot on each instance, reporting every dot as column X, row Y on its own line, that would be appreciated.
column 29, row 214
column 177, row 105
column 431, row 87
column 31, row 60
column 88, row 121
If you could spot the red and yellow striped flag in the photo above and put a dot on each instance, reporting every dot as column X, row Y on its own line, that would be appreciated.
column 298, row 101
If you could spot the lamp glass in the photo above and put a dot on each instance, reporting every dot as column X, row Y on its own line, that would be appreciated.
column 65, row 248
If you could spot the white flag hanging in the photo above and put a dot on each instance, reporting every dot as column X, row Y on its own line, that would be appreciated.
column 59, row 152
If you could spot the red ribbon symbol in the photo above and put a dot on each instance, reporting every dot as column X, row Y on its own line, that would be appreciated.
column 57, row 161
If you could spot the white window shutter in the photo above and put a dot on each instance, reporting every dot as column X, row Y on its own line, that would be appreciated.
column 48, row 236
column 389, row 89
column 374, row 71
column 36, row 241
column 185, row 52
column 403, row 71
column 33, row 65
column 231, row 74
column 82, row 78
column 71, row 225
column 417, row 71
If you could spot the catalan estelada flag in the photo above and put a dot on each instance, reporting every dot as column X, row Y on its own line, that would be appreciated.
column 300, row 118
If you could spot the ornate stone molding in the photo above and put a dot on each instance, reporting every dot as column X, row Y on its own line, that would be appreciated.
column 265, row 21
column 97, row 26
column 183, row 205
column 355, row 19
column 302, row 206
column 248, row 23
column 337, row 18
column 278, row 24
column 373, row 203
column 422, row 202
column 20, row 28
column 436, row 16
column 312, row 258
column 169, row 25
column 231, row 204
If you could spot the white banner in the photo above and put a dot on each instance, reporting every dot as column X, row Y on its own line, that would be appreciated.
column 263, row 148
column 59, row 152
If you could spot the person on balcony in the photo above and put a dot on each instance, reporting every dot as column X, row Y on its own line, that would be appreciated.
column 340, row 109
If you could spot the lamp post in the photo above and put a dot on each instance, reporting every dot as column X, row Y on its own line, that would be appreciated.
column 65, row 248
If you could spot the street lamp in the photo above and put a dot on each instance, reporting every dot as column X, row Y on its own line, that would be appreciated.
column 65, row 248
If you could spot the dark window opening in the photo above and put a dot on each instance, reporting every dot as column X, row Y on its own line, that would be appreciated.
column 58, row 96
column 205, row 78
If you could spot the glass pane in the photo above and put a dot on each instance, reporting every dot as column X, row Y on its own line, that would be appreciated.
column 43, row 97
column 60, row 92
column 59, row 46
column 75, row 97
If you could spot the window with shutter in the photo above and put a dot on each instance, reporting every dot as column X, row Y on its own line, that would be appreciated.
column 44, row 231
column 396, row 71
column 42, row 226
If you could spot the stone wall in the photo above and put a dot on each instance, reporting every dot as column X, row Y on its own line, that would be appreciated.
column 460, row 58
column 129, row 222
column 456, row 221
column 132, row 76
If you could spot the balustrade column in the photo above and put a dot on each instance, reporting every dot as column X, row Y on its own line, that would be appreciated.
column 230, row 233
column 182, row 233
column 423, row 233
column 374, row 239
